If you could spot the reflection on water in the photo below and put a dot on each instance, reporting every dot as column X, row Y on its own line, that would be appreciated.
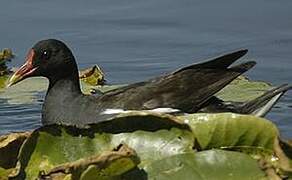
column 135, row 40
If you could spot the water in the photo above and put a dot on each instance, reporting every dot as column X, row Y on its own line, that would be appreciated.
column 135, row 40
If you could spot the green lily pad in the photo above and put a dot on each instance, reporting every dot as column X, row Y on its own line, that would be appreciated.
column 228, row 130
column 105, row 166
column 251, row 135
column 165, row 145
column 242, row 89
column 208, row 165
column 25, row 92
column 152, row 137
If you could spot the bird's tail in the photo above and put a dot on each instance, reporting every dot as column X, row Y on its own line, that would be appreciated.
column 263, row 104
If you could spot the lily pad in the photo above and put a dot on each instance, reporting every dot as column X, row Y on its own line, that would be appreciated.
column 208, row 165
column 152, row 137
column 228, row 130
column 167, row 146
column 105, row 166
column 25, row 92
column 92, row 76
column 242, row 89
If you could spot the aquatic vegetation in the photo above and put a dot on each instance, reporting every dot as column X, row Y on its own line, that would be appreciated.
column 242, row 89
column 5, row 56
column 152, row 146
column 93, row 76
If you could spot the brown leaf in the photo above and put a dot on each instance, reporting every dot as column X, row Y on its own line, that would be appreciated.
column 9, row 148
column 99, row 162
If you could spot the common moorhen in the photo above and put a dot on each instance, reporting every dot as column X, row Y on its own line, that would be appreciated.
column 187, row 89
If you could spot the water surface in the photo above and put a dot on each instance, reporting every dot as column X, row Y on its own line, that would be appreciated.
column 135, row 40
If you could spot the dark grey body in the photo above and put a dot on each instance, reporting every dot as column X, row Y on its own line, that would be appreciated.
column 187, row 89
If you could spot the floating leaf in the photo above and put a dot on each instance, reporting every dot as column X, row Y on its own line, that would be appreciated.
column 211, row 164
column 159, row 140
column 228, row 130
column 242, row 89
column 104, row 166
column 152, row 137
column 24, row 92
column 92, row 76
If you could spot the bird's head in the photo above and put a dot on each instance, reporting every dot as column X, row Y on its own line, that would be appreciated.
column 49, row 58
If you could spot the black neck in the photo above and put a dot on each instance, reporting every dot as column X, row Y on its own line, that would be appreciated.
column 69, row 84
column 68, row 78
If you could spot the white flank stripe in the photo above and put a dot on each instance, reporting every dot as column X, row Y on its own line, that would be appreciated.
column 164, row 110
column 113, row 111
column 157, row 110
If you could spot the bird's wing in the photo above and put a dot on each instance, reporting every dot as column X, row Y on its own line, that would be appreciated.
column 186, row 89
column 220, row 62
